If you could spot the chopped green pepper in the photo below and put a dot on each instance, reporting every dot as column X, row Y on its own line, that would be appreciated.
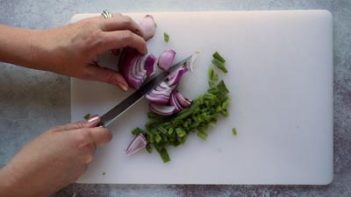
column 234, row 132
column 166, row 37
column 217, row 56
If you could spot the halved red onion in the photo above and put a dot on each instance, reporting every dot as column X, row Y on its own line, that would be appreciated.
column 148, row 26
column 166, row 59
column 163, row 110
column 174, row 78
column 137, row 144
column 135, row 68
column 184, row 102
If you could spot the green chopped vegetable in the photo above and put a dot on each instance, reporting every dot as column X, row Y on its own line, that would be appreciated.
column 165, row 37
column 217, row 56
column 164, row 155
column 202, row 134
column 234, row 132
column 87, row 116
column 180, row 132
column 212, row 76
column 220, row 65
column 137, row 131
column 162, row 131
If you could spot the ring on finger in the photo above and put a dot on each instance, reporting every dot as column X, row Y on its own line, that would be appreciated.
column 106, row 14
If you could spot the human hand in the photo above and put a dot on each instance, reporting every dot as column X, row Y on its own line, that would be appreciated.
column 53, row 160
column 73, row 49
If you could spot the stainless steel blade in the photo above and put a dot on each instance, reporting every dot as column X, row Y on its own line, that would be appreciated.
column 131, row 100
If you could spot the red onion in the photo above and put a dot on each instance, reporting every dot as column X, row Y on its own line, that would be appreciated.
column 137, row 144
column 174, row 102
column 164, row 110
column 174, row 78
column 166, row 59
column 184, row 102
column 149, row 65
column 135, row 68
column 148, row 26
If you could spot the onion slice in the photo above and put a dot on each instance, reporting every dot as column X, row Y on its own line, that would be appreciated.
column 137, row 144
column 166, row 59
column 184, row 102
column 164, row 110
column 174, row 78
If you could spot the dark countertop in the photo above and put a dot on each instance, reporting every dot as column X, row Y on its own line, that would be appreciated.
column 29, row 108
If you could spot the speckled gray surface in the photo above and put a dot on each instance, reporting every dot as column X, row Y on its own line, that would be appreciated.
column 32, row 101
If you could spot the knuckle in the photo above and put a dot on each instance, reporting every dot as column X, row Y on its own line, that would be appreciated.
column 127, row 21
column 97, row 38
column 127, row 36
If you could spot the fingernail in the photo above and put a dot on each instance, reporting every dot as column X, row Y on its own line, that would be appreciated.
column 123, row 86
column 93, row 121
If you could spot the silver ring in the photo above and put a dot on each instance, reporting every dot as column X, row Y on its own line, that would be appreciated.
column 106, row 14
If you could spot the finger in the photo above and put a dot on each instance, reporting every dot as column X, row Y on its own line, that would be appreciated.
column 106, row 75
column 122, row 39
column 120, row 22
column 92, row 122
column 100, row 135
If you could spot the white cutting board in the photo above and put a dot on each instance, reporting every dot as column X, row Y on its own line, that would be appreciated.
column 281, row 82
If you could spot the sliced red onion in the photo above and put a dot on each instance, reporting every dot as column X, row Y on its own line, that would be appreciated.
column 135, row 68
column 163, row 110
column 148, row 26
column 184, row 102
column 174, row 102
column 166, row 59
column 164, row 86
column 137, row 144
column 159, row 96
column 174, row 78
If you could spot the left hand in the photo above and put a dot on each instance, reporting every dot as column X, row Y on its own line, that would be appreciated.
column 73, row 49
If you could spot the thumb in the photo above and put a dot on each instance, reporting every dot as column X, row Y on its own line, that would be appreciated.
column 107, row 76
column 92, row 122
column 100, row 135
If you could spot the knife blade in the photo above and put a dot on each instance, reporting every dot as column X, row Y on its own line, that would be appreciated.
column 119, row 109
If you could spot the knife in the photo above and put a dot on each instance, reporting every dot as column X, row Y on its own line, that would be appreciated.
column 131, row 100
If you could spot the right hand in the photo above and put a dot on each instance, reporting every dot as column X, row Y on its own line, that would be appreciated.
column 53, row 160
